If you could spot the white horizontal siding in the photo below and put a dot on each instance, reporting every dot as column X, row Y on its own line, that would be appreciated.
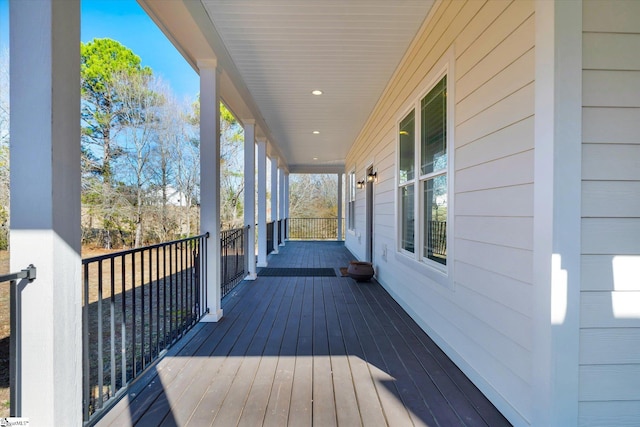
column 611, row 125
column 608, row 414
column 606, row 88
column 507, row 141
column 610, row 51
column 502, row 231
column 611, row 236
column 611, row 162
column 600, row 346
column 610, row 246
column 608, row 310
column 502, row 172
column 605, row 15
column 610, row 382
column 504, row 201
column 611, row 199
column 611, row 272
column 514, row 108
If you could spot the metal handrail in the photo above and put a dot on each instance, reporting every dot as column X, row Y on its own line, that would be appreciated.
column 29, row 273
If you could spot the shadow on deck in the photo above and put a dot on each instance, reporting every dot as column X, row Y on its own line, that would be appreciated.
column 306, row 351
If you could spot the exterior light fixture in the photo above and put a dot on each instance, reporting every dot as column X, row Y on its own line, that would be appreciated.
column 316, row 92
column 372, row 177
column 316, row 132
column 360, row 184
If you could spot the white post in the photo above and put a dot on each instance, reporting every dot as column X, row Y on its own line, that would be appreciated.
column 274, row 202
column 210, row 182
column 250, row 194
column 340, row 207
column 286, row 205
column 45, row 208
column 281, row 212
column 262, row 203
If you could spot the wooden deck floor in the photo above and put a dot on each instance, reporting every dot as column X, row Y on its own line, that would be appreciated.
column 303, row 351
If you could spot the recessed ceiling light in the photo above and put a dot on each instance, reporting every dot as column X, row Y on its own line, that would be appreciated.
column 316, row 132
column 315, row 158
column 316, row 92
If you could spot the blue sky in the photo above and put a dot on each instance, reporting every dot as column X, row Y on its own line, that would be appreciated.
column 126, row 22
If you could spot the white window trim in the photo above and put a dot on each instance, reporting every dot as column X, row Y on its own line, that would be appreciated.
column 442, row 274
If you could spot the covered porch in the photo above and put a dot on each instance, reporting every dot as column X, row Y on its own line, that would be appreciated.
column 312, row 350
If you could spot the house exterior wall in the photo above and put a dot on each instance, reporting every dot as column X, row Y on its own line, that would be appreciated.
column 610, row 294
column 482, row 316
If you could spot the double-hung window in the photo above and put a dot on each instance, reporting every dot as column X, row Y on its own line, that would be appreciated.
column 351, row 204
column 422, row 183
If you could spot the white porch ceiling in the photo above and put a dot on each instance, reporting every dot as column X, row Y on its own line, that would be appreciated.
column 284, row 49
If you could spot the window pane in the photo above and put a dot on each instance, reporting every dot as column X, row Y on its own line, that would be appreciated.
column 352, row 215
column 408, row 218
column 433, row 147
column 407, row 147
column 435, row 219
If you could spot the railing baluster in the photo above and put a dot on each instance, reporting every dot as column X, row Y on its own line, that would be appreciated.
column 133, row 320
column 85, row 345
column 157, row 346
column 171, row 294
column 150, row 285
column 100, row 338
column 142, row 309
column 123, row 322
column 112, row 328
column 164, row 297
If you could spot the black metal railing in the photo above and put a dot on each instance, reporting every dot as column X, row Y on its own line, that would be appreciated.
column 437, row 241
column 269, row 232
column 280, row 222
column 313, row 228
column 233, row 262
column 137, row 303
column 29, row 273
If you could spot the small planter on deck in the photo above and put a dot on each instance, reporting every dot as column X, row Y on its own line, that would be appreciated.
column 360, row 271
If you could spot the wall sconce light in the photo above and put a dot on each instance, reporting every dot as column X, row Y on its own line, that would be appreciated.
column 372, row 177
column 360, row 184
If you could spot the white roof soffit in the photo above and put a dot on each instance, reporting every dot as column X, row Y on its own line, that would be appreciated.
column 272, row 54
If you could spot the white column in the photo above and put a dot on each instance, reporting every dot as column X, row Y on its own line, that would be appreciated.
column 210, row 182
column 45, row 207
column 557, row 217
column 274, row 202
column 286, row 203
column 281, row 212
column 340, row 207
column 250, row 194
column 262, row 203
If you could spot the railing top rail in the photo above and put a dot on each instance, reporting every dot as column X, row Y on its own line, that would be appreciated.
column 326, row 217
column 231, row 230
column 28, row 273
column 144, row 248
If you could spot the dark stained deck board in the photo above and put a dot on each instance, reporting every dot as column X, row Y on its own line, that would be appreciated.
column 306, row 351
column 369, row 407
column 266, row 340
column 346, row 402
column 432, row 380
column 229, row 361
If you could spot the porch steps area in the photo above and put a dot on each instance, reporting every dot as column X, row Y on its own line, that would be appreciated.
column 302, row 351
